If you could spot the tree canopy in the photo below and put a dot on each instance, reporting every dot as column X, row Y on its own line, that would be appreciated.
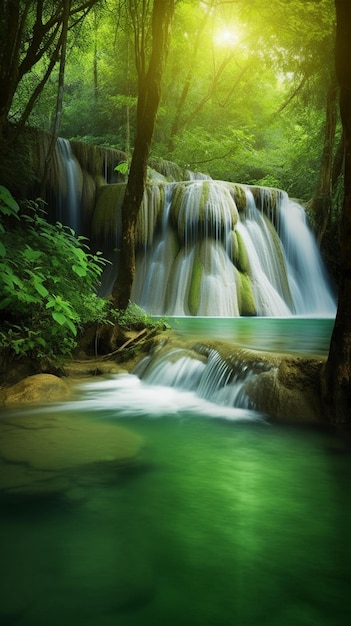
column 245, row 85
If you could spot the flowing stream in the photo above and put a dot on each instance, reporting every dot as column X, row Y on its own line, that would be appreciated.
column 220, row 518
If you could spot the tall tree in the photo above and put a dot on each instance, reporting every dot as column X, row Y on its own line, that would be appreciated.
column 60, row 88
column 337, row 374
column 149, row 94
column 31, row 32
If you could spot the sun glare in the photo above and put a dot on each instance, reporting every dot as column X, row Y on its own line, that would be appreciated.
column 226, row 37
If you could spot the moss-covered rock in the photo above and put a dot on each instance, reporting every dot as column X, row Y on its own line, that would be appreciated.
column 203, row 209
column 247, row 306
column 289, row 391
column 267, row 200
column 150, row 213
column 238, row 193
column 36, row 388
column 195, row 284
column 107, row 215
column 241, row 258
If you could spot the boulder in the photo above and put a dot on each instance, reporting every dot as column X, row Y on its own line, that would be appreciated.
column 36, row 389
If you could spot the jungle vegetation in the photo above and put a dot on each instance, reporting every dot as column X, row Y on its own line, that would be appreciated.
column 249, row 92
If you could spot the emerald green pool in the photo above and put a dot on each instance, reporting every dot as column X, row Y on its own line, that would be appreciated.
column 220, row 521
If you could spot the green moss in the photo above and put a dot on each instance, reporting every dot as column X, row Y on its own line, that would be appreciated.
column 107, row 214
column 239, row 195
column 242, row 260
column 150, row 213
column 195, row 285
column 246, row 296
column 177, row 198
column 233, row 247
column 205, row 194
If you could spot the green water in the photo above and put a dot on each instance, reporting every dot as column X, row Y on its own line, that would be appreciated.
column 308, row 335
column 220, row 522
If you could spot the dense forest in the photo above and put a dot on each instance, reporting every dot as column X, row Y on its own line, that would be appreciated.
column 250, row 94
column 249, row 89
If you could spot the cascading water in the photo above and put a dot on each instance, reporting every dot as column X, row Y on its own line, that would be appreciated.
column 68, row 206
column 201, row 371
column 221, row 249
column 307, row 278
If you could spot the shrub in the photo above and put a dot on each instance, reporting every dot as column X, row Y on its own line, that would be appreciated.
column 48, row 280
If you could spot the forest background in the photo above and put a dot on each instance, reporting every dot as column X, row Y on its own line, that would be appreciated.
column 250, row 92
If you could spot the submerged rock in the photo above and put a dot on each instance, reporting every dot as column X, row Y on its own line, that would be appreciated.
column 44, row 453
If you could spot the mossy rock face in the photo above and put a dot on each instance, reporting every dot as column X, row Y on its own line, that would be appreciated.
column 241, row 260
column 202, row 209
column 233, row 246
column 289, row 391
column 171, row 171
column 150, row 213
column 239, row 195
column 195, row 284
column 107, row 215
column 268, row 200
column 247, row 304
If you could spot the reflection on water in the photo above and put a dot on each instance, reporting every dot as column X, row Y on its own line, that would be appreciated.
column 308, row 335
column 218, row 522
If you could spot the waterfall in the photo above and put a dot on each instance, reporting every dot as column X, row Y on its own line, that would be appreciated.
column 221, row 249
column 68, row 204
column 202, row 371
column 307, row 277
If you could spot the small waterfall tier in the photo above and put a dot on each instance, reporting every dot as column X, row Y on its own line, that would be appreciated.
column 204, row 372
column 213, row 248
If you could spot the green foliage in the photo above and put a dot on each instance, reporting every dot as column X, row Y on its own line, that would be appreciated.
column 135, row 318
column 248, row 108
column 122, row 167
column 47, row 286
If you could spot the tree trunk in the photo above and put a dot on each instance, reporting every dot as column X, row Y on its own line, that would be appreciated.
column 336, row 383
column 149, row 93
column 60, row 89
column 322, row 200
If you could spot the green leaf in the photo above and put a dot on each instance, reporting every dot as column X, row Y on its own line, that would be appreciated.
column 31, row 255
column 79, row 270
column 2, row 249
column 71, row 326
column 41, row 289
column 8, row 205
column 60, row 318
column 122, row 167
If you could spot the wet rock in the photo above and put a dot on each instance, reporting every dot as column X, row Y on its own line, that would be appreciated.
column 289, row 391
column 38, row 388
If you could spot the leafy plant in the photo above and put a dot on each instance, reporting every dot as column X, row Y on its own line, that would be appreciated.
column 135, row 318
column 48, row 281
column 122, row 167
